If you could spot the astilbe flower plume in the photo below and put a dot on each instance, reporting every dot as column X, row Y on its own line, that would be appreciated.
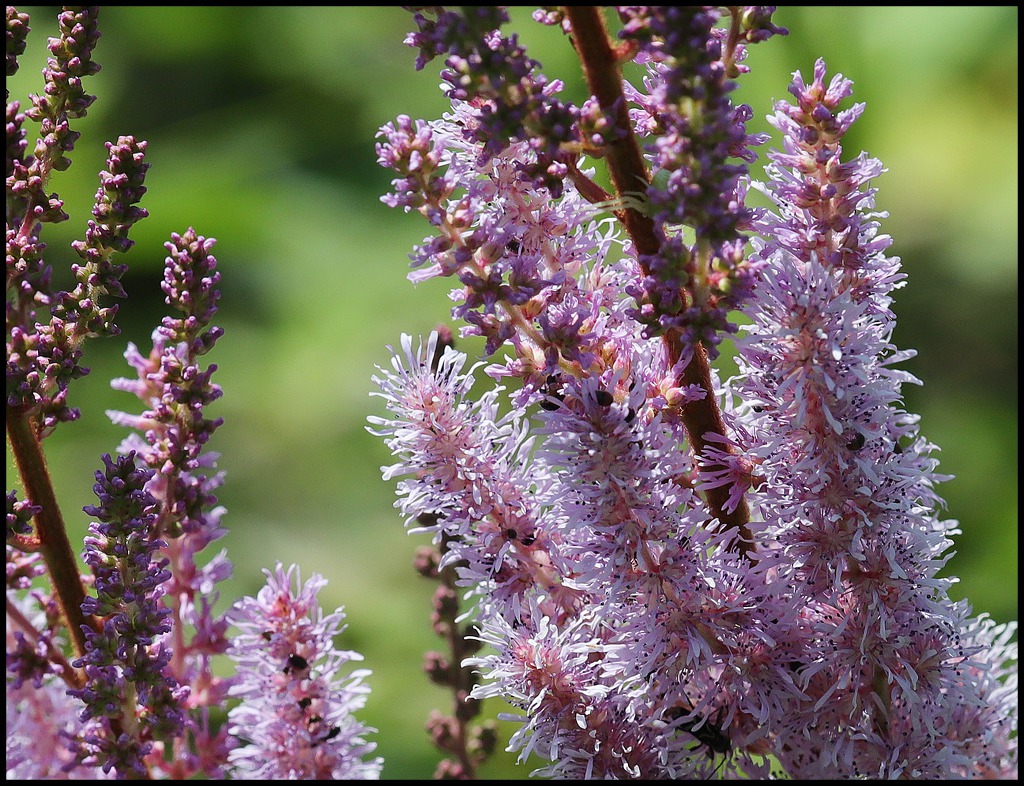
column 46, row 328
column 296, row 717
column 175, row 387
column 893, row 671
column 129, row 701
column 668, row 594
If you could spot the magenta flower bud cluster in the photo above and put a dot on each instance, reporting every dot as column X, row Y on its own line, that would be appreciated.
column 46, row 329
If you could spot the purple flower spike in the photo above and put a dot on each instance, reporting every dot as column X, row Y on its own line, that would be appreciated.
column 129, row 700
column 296, row 719
column 176, row 389
column 846, row 483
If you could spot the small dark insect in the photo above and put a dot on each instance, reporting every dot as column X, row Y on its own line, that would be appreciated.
column 267, row 635
column 296, row 662
column 528, row 540
column 334, row 732
column 604, row 398
column 705, row 731
column 553, row 390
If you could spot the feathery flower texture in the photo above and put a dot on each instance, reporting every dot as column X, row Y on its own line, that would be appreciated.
column 669, row 595
column 296, row 710
column 668, row 574
column 139, row 697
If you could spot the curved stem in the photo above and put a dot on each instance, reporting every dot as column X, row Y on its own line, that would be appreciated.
column 627, row 171
column 74, row 678
column 53, row 539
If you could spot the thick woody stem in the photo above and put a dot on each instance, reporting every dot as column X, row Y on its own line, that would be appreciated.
column 628, row 172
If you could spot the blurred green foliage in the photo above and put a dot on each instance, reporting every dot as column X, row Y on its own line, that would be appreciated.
column 261, row 124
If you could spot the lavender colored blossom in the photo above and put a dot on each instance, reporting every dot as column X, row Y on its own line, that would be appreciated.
column 296, row 719
column 513, row 100
column 129, row 700
column 598, row 518
column 847, row 489
column 40, row 721
column 175, row 387
column 668, row 596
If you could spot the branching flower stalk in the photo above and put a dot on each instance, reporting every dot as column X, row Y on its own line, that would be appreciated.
column 665, row 573
column 678, row 575
column 112, row 674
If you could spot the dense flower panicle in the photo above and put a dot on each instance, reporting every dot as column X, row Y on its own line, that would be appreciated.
column 601, row 518
column 44, row 349
column 129, row 700
column 514, row 101
column 296, row 719
column 693, row 134
column 175, row 387
column 630, row 635
column 847, row 484
column 45, row 328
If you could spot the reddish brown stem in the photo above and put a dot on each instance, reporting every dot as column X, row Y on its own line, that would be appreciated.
column 53, row 539
column 73, row 678
column 628, row 173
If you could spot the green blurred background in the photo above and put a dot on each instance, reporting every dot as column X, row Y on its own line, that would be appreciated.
column 261, row 125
